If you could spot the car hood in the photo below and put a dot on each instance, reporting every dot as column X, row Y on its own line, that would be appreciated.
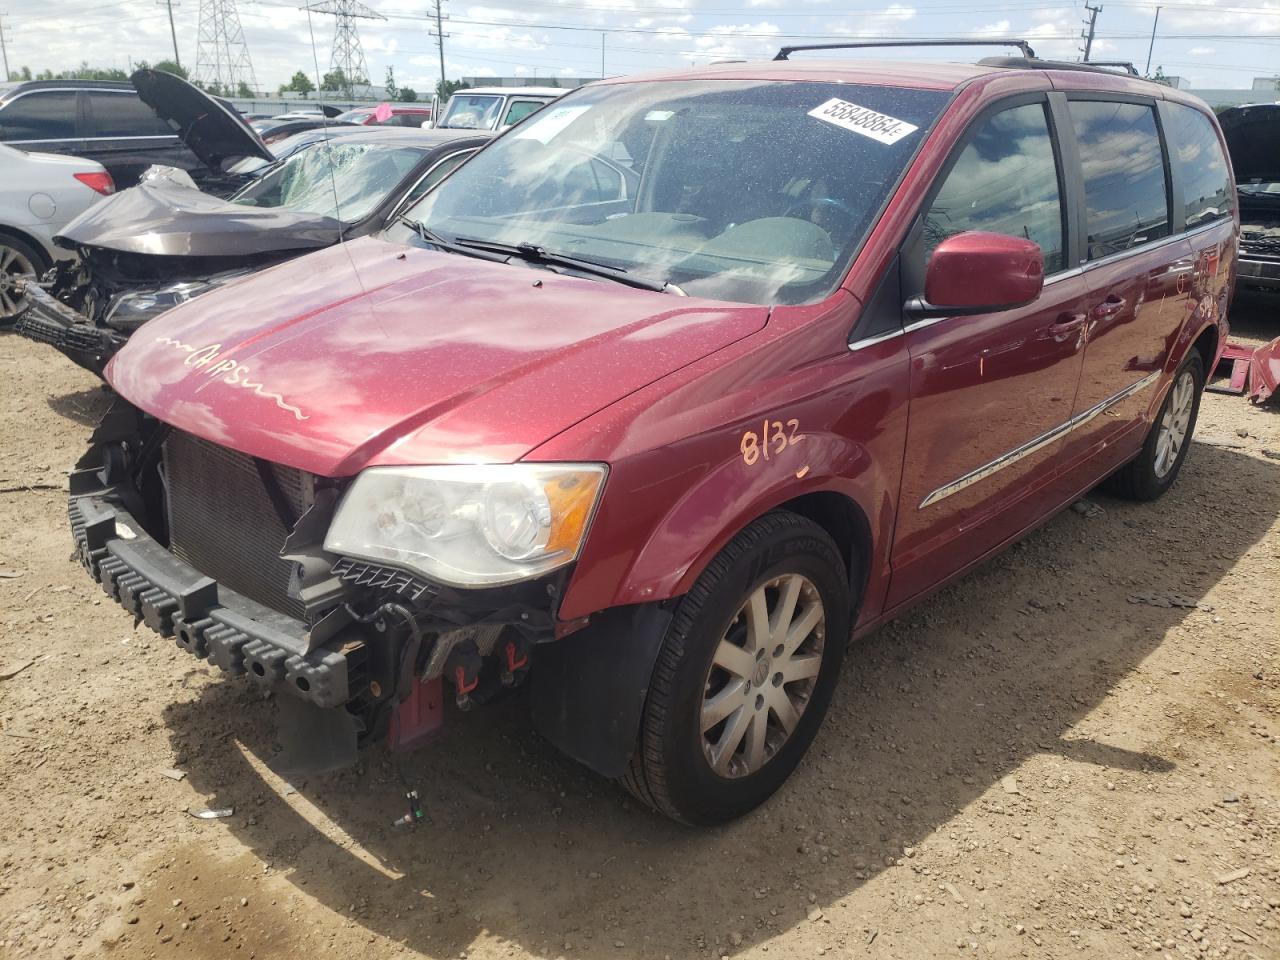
column 373, row 353
column 211, row 129
column 170, row 220
column 1253, row 140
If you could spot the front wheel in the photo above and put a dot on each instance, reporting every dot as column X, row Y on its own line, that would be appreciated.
column 1154, row 469
column 745, row 674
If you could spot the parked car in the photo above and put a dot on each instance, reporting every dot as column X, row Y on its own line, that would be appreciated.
column 285, row 147
column 156, row 118
column 39, row 194
column 494, row 108
column 152, row 247
column 1253, row 140
column 401, row 115
column 277, row 128
column 665, row 448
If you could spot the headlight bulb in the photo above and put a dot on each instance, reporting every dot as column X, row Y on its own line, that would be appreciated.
column 517, row 519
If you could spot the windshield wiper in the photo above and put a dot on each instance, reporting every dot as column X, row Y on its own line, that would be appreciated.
column 536, row 254
column 427, row 235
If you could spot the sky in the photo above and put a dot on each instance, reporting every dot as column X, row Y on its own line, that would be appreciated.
column 1211, row 43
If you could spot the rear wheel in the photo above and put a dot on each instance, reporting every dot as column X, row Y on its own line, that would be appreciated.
column 1153, row 471
column 17, row 259
column 745, row 673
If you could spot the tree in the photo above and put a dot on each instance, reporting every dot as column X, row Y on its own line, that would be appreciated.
column 408, row 95
column 336, row 80
column 447, row 88
column 300, row 83
column 23, row 73
column 393, row 92
column 1159, row 77
column 244, row 91
column 167, row 66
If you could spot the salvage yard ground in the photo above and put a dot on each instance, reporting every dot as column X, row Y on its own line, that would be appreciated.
column 1071, row 752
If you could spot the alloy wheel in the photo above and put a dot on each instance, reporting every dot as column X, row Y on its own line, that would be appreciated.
column 1175, row 423
column 13, row 264
column 762, row 675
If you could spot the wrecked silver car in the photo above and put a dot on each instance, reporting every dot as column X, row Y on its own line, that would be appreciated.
column 160, row 244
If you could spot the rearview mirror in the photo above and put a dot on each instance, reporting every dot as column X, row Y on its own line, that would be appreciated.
column 979, row 272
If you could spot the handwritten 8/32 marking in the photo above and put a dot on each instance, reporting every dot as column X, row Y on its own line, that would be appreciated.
column 775, row 440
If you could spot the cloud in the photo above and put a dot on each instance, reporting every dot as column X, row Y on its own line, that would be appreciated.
column 1201, row 51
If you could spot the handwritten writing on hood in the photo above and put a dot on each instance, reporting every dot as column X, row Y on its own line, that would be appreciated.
column 210, row 361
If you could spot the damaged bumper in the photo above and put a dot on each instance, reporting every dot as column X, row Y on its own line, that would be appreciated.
column 1257, row 272
column 208, row 621
column 47, row 320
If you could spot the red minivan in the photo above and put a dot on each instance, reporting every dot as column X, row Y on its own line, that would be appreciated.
column 662, row 398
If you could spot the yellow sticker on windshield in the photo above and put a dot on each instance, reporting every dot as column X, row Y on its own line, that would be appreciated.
column 863, row 120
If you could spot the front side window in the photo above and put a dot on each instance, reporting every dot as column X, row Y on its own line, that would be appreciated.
column 472, row 112
column 40, row 116
column 343, row 181
column 1004, row 181
column 520, row 109
column 749, row 191
column 1194, row 145
column 1126, row 192
column 124, row 115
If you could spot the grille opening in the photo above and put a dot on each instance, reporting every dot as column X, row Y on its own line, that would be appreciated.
column 223, row 523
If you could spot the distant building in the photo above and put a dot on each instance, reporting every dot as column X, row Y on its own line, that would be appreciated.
column 568, row 83
column 1263, row 90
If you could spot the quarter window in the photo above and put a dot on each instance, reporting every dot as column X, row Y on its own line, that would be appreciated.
column 1005, row 181
column 40, row 116
column 1125, row 189
column 1202, row 167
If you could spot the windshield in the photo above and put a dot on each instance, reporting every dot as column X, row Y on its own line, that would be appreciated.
column 749, row 191
column 354, row 116
column 344, row 181
column 472, row 111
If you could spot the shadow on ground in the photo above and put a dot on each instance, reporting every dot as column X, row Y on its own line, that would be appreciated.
column 85, row 407
column 932, row 712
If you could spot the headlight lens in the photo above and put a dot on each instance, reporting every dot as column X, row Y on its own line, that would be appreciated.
column 469, row 526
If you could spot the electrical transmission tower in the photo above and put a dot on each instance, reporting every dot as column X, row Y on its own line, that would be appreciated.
column 222, row 56
column 347, row 55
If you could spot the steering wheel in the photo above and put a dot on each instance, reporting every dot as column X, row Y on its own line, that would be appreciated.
column 815, row 203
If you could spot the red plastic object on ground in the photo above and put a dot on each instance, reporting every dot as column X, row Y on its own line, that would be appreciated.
column 419, row 717
column 1255, row 371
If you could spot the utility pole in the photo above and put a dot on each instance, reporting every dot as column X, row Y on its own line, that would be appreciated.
column 602, row 36
column 1152, row 45
column 1093, row 21
column 172, row 32
column 440, row 35
column 4, row 51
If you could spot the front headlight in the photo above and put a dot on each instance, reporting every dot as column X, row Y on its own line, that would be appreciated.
column 132, row 310
column 469, row 526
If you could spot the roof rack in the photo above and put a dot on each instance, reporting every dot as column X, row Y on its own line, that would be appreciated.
column 1088, row 66
column 785, row 52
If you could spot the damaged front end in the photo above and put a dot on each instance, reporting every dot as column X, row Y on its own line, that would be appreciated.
column 225, row 553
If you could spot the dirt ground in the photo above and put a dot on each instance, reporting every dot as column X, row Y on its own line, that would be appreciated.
column 1053, row 757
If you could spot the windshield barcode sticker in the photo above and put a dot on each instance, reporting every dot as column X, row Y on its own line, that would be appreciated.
column 863, row 120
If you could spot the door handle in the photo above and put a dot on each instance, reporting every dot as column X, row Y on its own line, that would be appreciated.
column 1066, row 325
column 1108, row 307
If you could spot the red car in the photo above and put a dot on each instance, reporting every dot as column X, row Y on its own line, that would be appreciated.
column 663, row 397
column 393, row 115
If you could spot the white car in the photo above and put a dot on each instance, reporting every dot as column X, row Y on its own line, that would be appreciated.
column 40, row 193
column 491, row 108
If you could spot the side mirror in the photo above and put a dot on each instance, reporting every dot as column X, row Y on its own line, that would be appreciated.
column 979, row 272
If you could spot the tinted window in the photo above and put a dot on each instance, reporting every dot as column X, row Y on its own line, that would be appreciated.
column 124, row 115
column 40, row 116
column 1005, row 181
column 1194, row 145
column 521, row 109
column 1124, row 182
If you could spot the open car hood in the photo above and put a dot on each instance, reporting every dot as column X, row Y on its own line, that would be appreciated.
column 375, row 353
column 1253, row 140
column 169, row 220
column 210, row 128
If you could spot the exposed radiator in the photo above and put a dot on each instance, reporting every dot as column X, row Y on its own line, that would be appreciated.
column 223, row 523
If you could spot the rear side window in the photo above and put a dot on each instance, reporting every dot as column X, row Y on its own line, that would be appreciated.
column 1125, row 189
column 1202, row 167
column 124, row 115
column 521, row 109
column 40, row 116
column 1005, row 181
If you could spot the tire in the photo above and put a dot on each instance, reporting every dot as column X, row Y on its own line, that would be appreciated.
column 1148, row 475
column 781, row 554
column 15, row 256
